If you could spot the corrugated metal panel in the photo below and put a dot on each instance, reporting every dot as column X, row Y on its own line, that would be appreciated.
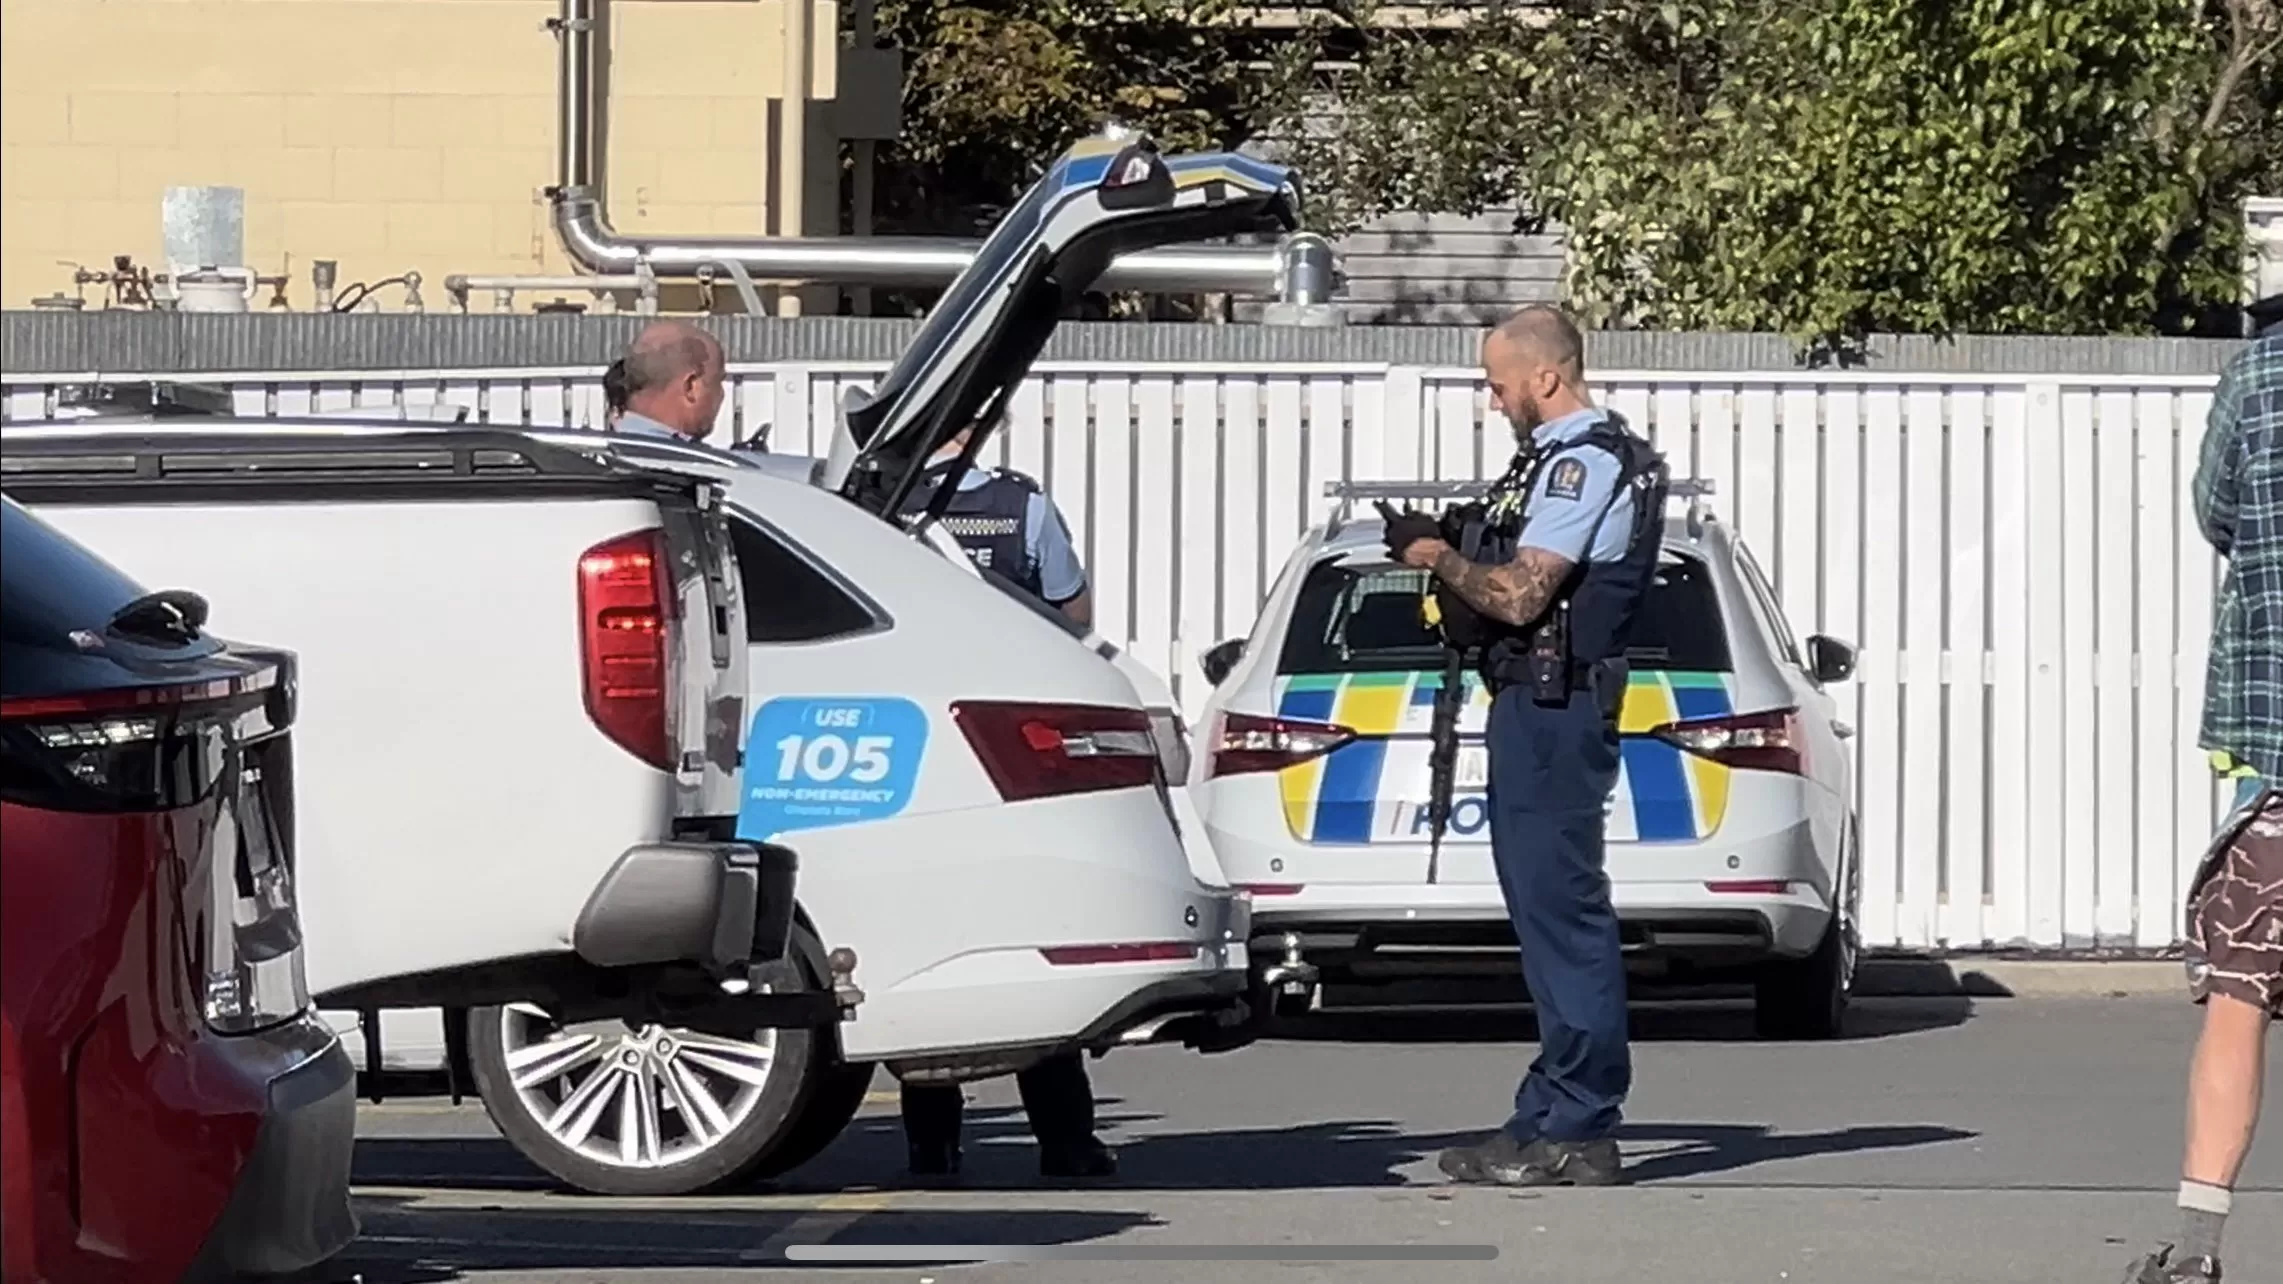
column 129, row 342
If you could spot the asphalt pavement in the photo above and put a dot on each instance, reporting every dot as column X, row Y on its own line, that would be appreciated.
column 2002, row 1141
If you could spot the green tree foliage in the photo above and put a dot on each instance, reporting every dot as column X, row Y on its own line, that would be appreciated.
column 995, row 89
column 1832, row 168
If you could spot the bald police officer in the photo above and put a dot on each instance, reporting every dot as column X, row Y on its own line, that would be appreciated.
column 674, row 378
column 1007, row 525
column 1564, row 552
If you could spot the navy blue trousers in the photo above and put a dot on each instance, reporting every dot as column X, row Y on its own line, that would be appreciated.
column 1552, row 768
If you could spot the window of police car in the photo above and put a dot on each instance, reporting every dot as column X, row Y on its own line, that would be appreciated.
column 789, row 595
column 1351, row 618
column 1771, row 611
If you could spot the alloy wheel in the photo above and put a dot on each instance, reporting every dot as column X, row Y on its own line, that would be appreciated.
column 632, row 1097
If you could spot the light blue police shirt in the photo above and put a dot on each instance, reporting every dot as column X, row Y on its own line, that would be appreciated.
column 1572, row 490
column 1046, row 538
column 644, row 426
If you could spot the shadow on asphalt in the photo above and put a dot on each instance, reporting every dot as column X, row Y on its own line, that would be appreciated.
column 1657, row 1020
column 1356, row 1153
column 429, row 1245
column 1351, row 1153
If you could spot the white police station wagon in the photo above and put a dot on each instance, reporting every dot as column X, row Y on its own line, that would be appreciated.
column 1732, row 839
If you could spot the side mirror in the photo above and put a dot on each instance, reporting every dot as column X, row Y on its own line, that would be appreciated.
column 1830, row 659
column 1220, row 659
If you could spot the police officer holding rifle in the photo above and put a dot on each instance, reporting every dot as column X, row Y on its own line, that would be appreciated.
column 1539, row 584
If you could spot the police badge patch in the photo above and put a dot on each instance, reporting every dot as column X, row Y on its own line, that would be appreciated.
column 1566, row 480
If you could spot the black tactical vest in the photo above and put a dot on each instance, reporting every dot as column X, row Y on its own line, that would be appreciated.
column 987, row 520
column 1600, row 599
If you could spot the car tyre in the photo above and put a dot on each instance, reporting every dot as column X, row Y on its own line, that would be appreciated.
column 835, row 1095
column 762, row 1123
column 1807, row 998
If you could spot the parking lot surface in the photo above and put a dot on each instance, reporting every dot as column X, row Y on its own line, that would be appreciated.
column 2008, row 1141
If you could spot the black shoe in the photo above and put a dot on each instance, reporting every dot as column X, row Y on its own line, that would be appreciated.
column 2159, row 1268
column 932, row 1160
column 1091, row 1160
column 1503, row 1161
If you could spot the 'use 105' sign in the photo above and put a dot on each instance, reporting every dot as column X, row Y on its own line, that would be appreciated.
column 814, row 761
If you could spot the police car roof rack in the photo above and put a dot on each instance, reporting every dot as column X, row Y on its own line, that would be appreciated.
column 177, row 399
column 157, row 398
column 1693, row 489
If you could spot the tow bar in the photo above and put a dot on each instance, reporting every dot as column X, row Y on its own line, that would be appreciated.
column 1289, row 985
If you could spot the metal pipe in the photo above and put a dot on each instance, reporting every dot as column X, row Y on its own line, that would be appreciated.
column 862, row 19
column 645, row 286
column 792, row 137
column 592, row 244
column 743, row 280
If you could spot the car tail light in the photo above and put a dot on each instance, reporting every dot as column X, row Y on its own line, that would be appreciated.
column 1752, row 741
column 221, row 744
column 1047, row 750
column 626, row 615
column 127, row 749
column 1272, row 889
column 1248, row 742
column 1135, row 952
column 1750, row 886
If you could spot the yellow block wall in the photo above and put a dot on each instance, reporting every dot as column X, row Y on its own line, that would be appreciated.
column 391, row 135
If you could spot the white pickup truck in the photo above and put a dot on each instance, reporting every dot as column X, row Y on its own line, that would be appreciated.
column 524, row 681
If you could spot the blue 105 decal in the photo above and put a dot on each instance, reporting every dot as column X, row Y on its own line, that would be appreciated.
column 816, row 761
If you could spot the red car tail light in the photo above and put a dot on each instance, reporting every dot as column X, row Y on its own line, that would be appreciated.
column 1247, row 742
column 1047, row 750
column 626, row 635
column 1272, row 889
column 1768, row 741
column 220, row 745
column 1134, row 952
column 1750, row 886
column 128, row 749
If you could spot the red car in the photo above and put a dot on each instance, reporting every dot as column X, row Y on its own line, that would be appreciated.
column 171, row 1107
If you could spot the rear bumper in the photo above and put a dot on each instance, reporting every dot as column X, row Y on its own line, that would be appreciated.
column 290, row 1209
column 1370, row 932
column 1202, row 1010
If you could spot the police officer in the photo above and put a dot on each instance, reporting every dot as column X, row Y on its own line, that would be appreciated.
column 674, row 378
column 1560, row 558
column 1008, row 526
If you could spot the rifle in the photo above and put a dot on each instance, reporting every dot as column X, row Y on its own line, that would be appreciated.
column 1463, row 635
column 1443, row 751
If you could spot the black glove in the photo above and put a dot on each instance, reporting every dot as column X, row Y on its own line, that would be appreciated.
column 1407, row 527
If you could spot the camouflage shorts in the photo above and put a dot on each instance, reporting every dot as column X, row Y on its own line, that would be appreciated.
column 2235, row 911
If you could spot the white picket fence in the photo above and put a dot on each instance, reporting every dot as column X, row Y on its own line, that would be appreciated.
column 2015, row 556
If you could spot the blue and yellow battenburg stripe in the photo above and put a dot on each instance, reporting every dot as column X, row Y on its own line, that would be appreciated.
column 1088, row 161
column 1672, row 796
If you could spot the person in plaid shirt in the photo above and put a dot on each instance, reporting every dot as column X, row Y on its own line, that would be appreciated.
column 2235, row 903
column 2239, row 504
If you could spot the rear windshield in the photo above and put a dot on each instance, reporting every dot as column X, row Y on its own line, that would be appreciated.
column 51, row 586
column 1364, row 618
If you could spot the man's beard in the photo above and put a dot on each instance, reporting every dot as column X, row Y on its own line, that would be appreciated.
column 1525, row 423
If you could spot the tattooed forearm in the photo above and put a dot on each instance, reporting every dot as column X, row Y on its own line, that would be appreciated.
column 1513, row 593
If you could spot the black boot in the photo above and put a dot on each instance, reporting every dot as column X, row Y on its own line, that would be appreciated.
column 1059, row 1099
column 2162, row 1267
column 933, row 1116
column 1503, row 1161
